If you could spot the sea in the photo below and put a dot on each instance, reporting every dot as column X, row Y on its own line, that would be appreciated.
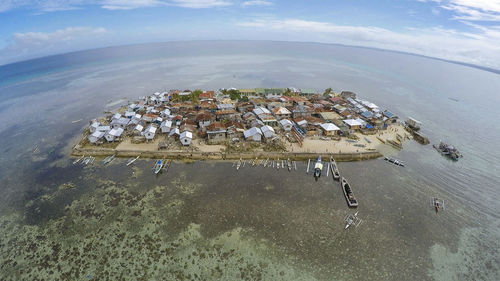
column 205, row 220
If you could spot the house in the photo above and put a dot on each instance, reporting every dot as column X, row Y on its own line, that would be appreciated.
column 353, row 124
column 267, row 131
column 348, row 94
column 93, row 127
column 186, row 137
column 261, row 110
column 129, row 114
column 150, row 133
column 225, row 114
column 174, row 132
column 138, row 129
column 114, row 134
column 207, row 95
column 234, row 129
column 166, row 126
column 268, row 119
column 367, row 114
column 329, row 129
column 286, row 124
column 216, row 132
column 204, row 119
column 253, row 133
column 281, row 112
column 116, row 116
column 96, row 136
column 103, row 128
column 122, row 122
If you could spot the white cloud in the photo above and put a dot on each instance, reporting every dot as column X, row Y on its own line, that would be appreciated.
column 482, row 47
column 33, row 44
column 199, row 4
column 129, row 4
column 257, row 3
column 472, row 10
column 62, row 5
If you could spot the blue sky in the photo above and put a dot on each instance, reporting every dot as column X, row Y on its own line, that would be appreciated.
column 462, row 30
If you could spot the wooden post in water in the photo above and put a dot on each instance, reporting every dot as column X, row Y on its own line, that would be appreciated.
column 327, row 169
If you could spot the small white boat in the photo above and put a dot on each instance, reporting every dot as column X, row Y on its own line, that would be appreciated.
column 78, row 160
column 108, row 159
column 132, row 160
column 238, row 165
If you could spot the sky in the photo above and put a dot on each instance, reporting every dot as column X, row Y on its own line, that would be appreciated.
column 460, row 30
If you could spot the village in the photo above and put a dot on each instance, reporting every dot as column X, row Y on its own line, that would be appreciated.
column 238, row 121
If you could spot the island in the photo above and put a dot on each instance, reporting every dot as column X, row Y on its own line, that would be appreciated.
column 244, row 124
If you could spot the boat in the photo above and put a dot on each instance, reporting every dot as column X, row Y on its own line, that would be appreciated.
column 334, row 169
column 367, row 140
column 76, row 121
column 278, row 164
column 448, row 150
column 395, row 143
column 349, row 196
column 437, row 203
column 352, row 220
column 132, row 160
column 158, row 166
column 78, row 160
column 238, row 165
column 394, row 161
column 289, row 164
column 359, row 145
column 318, row 167
column 381, row 140
column 108, row 159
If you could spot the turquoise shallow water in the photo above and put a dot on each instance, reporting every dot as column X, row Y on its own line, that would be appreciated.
column 204, row 220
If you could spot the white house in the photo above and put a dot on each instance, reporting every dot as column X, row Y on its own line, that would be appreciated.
column 116, row 116
column 166, row 126
column 138, row 129
column 329, row 129
column 96, row 136
column 174, row 132
column 114, row 134
column 253, row 133
column 186, row 137
column 93, row 127
column 129, row 114
column 353, row 124
column 267, row 131
column 150, row 133
column 103, row 129
column 286, row 124
column 122, row 122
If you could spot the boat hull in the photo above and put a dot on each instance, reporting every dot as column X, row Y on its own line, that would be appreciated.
column 352, row 202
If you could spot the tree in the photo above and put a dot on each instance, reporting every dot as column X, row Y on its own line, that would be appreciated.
column 287, row 92
column 195, row 96
column 328, row 92
column 234, row 94
column 244, row 98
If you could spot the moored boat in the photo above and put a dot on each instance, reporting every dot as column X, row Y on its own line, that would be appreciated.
column 349, row 195
column 318, row 167
column 448, row 150
column 132, row 160
column 108, row 159
column 158, row 166
column 334, row 169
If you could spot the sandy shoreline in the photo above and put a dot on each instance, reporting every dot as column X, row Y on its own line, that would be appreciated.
column 341, row 150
